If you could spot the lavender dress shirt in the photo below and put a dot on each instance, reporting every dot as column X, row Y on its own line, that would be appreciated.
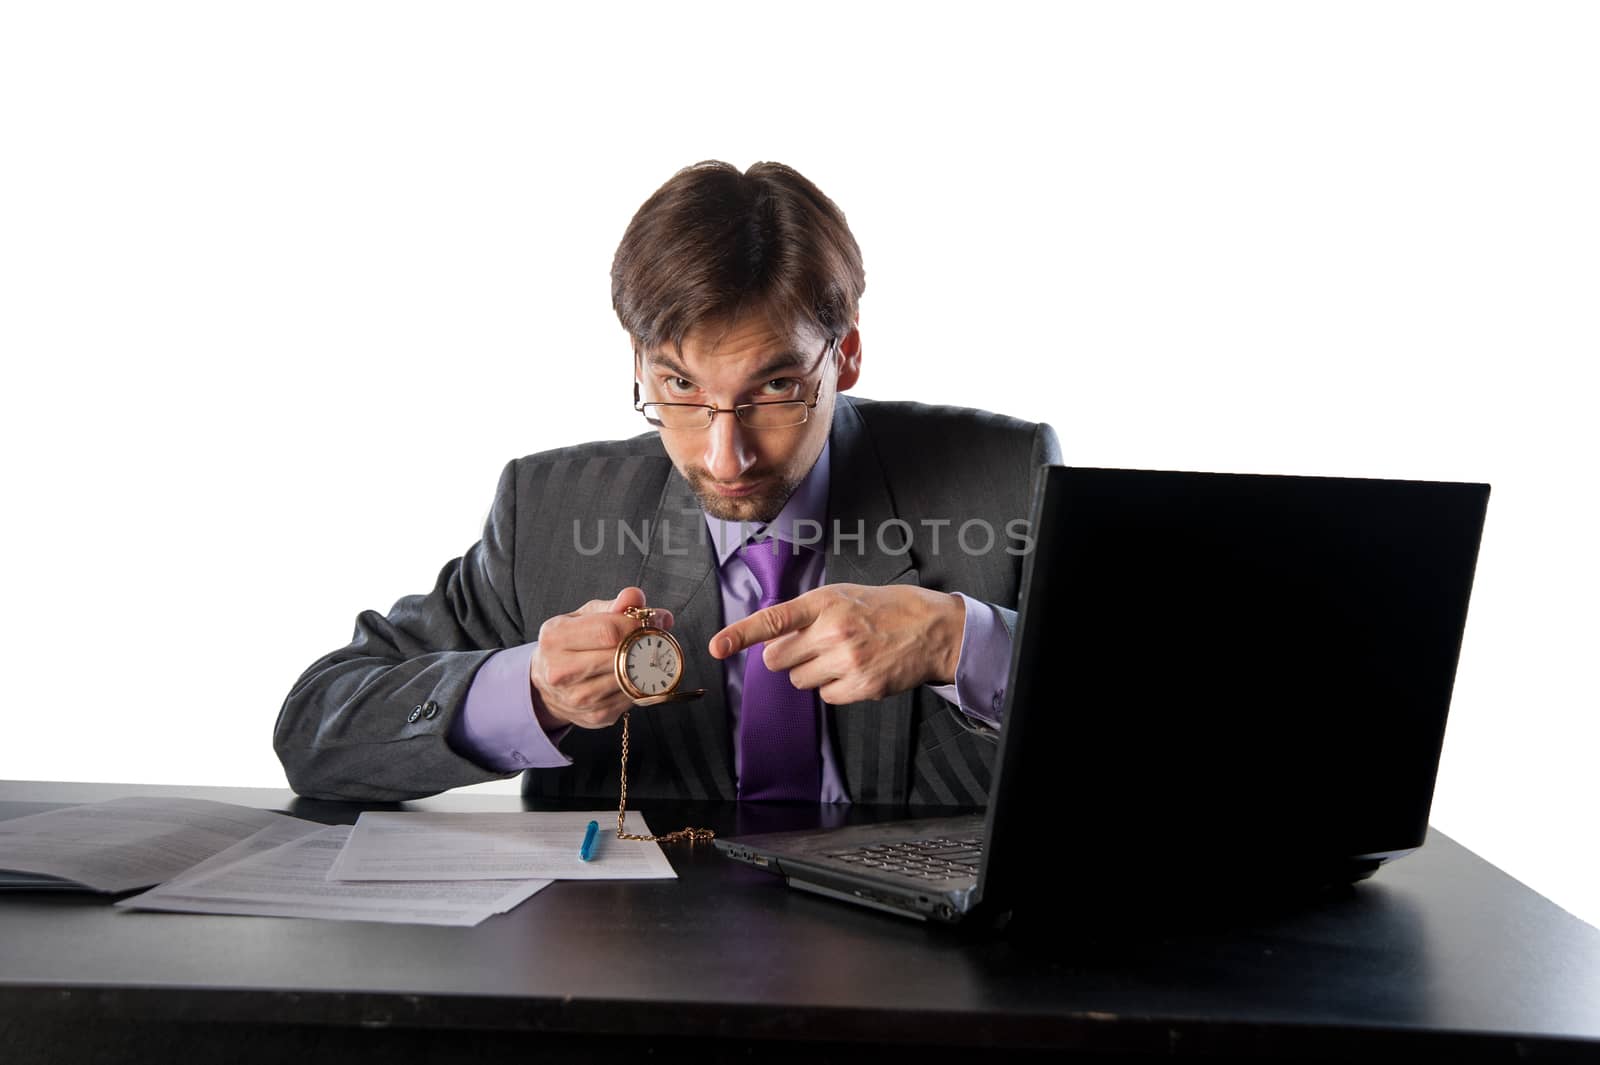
column 497, row 728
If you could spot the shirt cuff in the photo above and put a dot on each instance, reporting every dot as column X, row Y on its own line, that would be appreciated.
column 983, row 665
column 497, row 728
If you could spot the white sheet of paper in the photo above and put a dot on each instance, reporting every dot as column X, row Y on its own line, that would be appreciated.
column 129, row 843
column 291, row 880
column 496, row 846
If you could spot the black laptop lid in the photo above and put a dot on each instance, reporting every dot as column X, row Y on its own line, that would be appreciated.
column 1220, row 673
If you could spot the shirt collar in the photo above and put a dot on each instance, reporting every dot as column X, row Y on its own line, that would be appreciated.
column 809, row 503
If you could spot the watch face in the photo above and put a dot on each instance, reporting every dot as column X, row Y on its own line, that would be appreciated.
column 652, row 664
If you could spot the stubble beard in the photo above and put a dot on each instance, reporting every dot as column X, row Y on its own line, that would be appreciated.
column 757, row 509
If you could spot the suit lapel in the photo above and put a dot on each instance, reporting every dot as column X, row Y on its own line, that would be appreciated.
column 679, row 573
column 874, row 738
column 859, row 502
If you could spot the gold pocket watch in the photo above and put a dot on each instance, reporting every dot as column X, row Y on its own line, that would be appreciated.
column 649, row 667
column 649, row 663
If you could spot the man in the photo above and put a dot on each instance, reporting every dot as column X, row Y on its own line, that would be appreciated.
column 842, row 575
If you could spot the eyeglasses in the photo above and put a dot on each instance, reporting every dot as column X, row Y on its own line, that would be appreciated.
column 774, row 414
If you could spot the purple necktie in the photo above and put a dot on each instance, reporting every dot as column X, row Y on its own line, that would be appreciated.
column 780, row 727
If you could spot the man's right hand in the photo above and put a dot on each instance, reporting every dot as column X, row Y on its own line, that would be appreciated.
column 574, row 666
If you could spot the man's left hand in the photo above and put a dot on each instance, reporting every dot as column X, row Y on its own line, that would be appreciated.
column 852, row 641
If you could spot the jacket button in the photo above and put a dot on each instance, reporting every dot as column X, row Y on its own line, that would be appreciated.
column 416, row 712
column 430, row 709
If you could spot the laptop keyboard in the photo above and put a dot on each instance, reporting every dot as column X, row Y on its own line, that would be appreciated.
column 927, row 859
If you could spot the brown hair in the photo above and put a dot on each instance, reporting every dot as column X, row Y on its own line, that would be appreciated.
column 713, row 243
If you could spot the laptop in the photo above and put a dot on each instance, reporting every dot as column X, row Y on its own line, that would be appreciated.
column 1217, row 681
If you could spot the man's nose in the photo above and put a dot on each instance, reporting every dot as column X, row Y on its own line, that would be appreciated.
column 728, row 453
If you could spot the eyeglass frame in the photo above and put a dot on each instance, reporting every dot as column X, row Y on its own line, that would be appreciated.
column 816, row 397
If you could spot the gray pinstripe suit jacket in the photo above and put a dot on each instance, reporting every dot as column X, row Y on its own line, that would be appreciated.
column 347, row 729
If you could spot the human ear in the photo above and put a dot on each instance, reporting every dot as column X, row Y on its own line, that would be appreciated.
column 849, row 360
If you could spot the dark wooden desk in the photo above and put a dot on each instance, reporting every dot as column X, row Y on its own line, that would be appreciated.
column 1440, row 957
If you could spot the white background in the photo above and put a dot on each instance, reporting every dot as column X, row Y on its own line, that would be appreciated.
column 283, row 285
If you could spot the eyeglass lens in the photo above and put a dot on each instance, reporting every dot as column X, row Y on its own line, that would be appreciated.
column 753, row 415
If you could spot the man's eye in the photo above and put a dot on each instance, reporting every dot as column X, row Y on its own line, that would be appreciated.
column 779, row 385
column 679, row 384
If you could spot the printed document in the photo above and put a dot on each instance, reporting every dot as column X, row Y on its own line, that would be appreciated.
column 496, row 846
column 122, row 844
column 283, row 872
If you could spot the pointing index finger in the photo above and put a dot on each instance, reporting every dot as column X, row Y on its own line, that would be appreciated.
column 764, row 625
